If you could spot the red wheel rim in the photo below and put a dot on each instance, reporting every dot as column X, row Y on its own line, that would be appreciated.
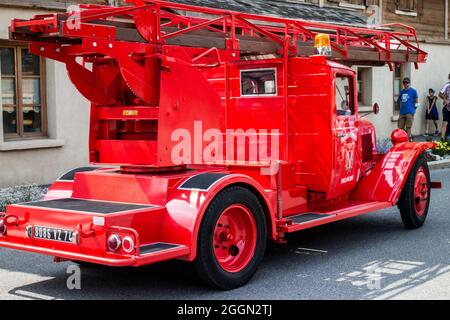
column 421, row 192
column 235, row 238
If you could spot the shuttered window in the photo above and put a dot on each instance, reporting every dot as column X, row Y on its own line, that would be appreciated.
column 22, row 93
column 407, row 5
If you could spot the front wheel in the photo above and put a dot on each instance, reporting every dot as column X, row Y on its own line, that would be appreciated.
column 415, row 198
column 232, row 239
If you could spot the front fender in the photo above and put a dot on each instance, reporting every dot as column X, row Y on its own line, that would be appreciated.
column 385, row 182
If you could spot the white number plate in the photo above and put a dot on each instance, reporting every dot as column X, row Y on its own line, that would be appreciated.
column 53, row 234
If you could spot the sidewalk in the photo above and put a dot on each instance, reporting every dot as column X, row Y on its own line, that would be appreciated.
column 421, row 138
column 433, row 165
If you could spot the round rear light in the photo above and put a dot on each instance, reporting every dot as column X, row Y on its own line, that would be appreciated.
column 2, row 227
column 114, row 242
column 128, row 244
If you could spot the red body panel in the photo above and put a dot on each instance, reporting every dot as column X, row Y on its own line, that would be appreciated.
column 385, row 182
column 175, row 217
column 149, row 93
column 59, row 190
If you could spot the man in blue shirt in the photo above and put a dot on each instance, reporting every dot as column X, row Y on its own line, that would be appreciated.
column 408, row 101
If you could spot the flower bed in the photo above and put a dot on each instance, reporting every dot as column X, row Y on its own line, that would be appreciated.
column 441, row 152
column 20, row 194
column 442, row 149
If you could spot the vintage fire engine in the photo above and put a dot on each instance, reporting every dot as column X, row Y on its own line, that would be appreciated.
column 158, row 73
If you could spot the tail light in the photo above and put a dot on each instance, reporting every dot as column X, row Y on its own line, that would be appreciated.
column 128, row 245
column 2, row 227
column 114, row 242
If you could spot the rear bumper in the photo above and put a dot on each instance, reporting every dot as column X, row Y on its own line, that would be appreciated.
column 138, row 260
column 70, row 255
column 91, row 223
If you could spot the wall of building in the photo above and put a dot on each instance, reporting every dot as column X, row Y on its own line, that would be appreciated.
column 429, row 20
column 42, row 160
column 432, row 74
column 381, row 92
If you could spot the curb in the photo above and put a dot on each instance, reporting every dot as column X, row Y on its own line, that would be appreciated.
column 441, row 164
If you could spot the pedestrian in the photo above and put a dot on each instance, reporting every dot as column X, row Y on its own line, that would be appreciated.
column 445, row 95
column 408, row 101
column 431, row 113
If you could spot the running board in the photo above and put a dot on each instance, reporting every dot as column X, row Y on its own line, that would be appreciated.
column 160, row 251
column 307, row 217
column 343, row 211
column 157, row 247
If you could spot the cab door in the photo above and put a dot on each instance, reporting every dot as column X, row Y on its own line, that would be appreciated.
column 347, row 154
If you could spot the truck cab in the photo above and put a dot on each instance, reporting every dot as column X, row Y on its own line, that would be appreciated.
column 321, row 132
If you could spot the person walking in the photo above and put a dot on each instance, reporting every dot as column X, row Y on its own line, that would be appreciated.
column 408, row 101
column 431, row 114
column 445, row 96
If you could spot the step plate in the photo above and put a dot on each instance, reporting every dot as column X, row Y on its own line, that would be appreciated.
column 155, row 247
column 307, row 217
column 80, row 205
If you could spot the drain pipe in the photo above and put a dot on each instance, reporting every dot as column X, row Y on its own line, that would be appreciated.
column 446, row 20
column 380, row 14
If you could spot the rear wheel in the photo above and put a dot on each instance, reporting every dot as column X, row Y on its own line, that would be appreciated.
column 232, row 239
column 415, row 198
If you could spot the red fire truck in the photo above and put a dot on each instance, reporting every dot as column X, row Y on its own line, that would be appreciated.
column 171, row 86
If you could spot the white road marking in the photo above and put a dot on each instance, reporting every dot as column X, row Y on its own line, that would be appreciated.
column 12, row 282
column 33, row 295
column 312, row 250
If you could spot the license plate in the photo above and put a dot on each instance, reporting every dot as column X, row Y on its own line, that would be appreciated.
column 53, row 234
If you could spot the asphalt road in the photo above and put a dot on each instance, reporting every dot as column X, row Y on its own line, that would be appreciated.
column 367, row 257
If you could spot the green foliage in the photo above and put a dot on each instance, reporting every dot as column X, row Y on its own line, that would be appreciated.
column 442, row 149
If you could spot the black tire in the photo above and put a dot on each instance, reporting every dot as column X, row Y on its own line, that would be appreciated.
column 206, row 265
column 411, row 219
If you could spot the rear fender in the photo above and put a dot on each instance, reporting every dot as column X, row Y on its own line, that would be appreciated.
column 186, row 208
column 385, row 182
column 63, row 186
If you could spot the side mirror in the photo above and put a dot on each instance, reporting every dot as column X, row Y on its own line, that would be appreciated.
column 376, row 108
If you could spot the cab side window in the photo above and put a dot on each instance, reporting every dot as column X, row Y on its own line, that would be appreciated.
column 261, row 82
column 344, row 96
